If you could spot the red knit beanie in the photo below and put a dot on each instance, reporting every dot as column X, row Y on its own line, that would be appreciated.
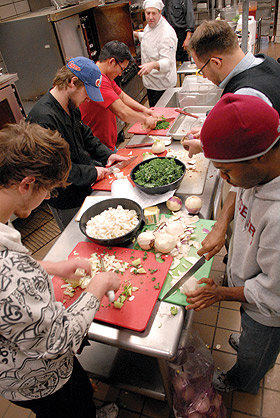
column 239, row 128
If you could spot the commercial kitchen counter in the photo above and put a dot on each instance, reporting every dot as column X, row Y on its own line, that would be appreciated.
column 137, row 361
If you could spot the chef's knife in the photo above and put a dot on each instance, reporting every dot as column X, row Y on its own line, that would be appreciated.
column 110, row 293
column 196, row 266
column 145, row 144
column 122, row 164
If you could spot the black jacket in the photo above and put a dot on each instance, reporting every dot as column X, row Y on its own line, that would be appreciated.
column 86, row 150
column 264, row 77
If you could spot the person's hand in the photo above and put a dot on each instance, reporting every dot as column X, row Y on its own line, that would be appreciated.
column 213, row 242
column 192, row 145
column 67, row 268
column 150, row 122
column 115, row 158
column 101, row 172
column 145, row 68
column 101, row 283
column 204, row 296
column 195, row 132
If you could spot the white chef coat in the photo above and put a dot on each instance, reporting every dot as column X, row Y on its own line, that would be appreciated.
column 159, row 44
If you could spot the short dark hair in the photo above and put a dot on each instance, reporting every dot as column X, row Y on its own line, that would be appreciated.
column 28, row 149
column 115, row 49
column 213, row 37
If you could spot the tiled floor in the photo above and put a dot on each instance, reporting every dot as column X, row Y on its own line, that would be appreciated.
column 214, row 325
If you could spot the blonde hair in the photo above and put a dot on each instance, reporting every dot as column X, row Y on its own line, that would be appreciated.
column 28, row 149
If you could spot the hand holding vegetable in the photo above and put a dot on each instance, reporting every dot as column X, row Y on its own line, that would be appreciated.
column 203, row 297
column 191, row 144
column 66, row 268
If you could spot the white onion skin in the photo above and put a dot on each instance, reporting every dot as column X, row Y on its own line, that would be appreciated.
column 193, row 204
column 174, row 203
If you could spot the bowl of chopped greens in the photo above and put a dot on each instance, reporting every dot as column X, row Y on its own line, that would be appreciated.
column 158, row 175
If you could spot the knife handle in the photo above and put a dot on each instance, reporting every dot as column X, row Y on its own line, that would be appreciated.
column 111, row 295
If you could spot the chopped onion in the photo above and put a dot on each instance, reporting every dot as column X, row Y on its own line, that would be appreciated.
column 193, row 204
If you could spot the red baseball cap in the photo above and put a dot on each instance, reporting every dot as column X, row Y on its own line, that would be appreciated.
column 239, row 128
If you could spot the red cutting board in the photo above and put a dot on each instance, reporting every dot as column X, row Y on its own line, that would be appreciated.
column 167, row 112
column 105, row 184
column 134, row 314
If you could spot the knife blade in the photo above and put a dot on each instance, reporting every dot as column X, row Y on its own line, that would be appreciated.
column 145, row 144
column 193, row 269
column 122, row 164
column 110, row 293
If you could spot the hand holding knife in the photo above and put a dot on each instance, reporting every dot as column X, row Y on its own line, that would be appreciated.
column 110, row 293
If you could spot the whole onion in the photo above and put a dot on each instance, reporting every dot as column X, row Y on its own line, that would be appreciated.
column 146, row 240
column 174, row 203
column 164, row 243
column 193, row 204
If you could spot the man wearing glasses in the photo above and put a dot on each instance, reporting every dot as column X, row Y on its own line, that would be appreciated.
column 114, row 58
column 215, row 49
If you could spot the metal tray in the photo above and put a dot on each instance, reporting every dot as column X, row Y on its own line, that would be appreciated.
column 184, row 123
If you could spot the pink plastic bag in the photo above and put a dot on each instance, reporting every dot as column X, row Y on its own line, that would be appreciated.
column 191, row 374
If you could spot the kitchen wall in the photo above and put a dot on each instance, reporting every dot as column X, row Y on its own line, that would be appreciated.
column 277, row 37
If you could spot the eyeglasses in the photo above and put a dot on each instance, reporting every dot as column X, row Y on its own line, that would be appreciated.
column 123, row 69
column 200, row 72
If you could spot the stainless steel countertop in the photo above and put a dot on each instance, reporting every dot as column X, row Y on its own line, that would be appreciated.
column 161, row 337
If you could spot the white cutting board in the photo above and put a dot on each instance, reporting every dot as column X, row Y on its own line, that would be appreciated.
column 197, row 167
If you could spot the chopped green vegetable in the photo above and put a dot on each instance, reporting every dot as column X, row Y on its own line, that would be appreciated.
column 136, row 262
column 118, row 305
column 158, row 172
column 153, row 279
column 162, row 124
column 173, row 310
column 156, row 286
column 153, row 270
column 141, row 270
column 145, row 255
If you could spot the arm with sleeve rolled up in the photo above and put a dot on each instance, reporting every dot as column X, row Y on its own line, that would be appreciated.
column 215, row 240
column 129, row 115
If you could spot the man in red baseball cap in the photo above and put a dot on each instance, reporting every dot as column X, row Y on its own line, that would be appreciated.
column 241, row 137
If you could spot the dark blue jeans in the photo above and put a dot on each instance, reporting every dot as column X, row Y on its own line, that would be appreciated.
column 73, row 400
column 259, row 347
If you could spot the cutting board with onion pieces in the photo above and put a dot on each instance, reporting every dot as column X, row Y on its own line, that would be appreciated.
column 196, row 172
column 106, row 183
column 167, row 112
column 202, row 227
column 134, row 314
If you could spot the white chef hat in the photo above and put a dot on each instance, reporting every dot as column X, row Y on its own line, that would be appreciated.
column 157, row 4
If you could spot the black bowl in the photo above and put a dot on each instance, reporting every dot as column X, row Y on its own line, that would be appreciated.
column 112, row 203
column 160, row 189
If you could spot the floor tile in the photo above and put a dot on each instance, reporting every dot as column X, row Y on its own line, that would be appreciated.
column 15, row 411
column 272, row 379
column 229, row 319
column 131, row 401
column 206, row 332
column 207, row 316
column 218, row 277
column 106, row 393
column 128, row 414
column 218, row 264
column 245, row 402
column 221, row 341
column 223, row 361
column 4, row 405
column 235, row 414
column 271, row 404
column 155, row 409
column 230, row 305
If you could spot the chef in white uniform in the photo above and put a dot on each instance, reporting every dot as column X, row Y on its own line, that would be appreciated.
column 158, row 52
